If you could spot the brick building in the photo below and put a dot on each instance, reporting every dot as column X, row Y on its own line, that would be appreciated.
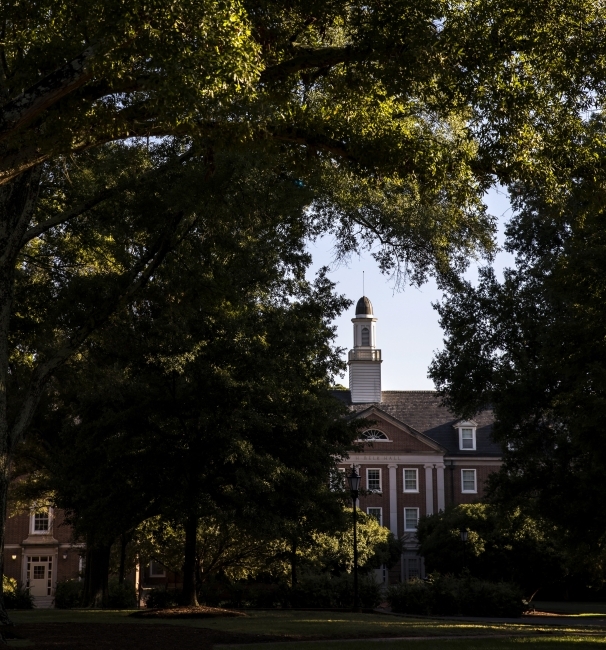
column 39, row 551
column 419, row 456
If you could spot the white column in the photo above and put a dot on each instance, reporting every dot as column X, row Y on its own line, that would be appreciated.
column 137, row 579
column 428, row 489
column 440, row 484
column 393, row 500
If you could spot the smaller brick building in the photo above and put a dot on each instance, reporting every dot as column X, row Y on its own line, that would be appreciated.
column 39, row 551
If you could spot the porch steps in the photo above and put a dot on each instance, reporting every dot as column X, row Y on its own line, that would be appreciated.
column 44, row 602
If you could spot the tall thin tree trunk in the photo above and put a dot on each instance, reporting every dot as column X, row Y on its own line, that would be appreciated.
column 189, row 596
column 17, row 202
column 4, row 476
column 293, row 564
column 123, row 545
column 96, row 576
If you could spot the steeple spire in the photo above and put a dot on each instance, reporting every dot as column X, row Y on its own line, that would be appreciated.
column 364, row 359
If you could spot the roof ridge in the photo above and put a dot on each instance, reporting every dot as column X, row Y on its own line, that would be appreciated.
column 410, row 391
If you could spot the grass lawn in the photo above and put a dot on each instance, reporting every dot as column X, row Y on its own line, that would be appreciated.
column 311, row 625
column 572, row 608
column 555, row 643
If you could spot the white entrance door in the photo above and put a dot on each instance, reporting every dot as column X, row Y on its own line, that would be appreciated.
column 40, row 574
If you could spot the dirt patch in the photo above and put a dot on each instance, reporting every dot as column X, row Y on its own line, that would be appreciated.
column 187, row 612
column 108, row 636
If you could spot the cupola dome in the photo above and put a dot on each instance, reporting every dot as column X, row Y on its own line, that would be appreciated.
column 364, row 307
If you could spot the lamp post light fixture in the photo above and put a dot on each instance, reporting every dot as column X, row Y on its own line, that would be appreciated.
column 13, row 557
column 354, row 487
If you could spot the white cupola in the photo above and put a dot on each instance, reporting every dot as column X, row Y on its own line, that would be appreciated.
column 364, row 360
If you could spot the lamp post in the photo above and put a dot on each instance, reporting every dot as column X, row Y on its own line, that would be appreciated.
column 464, row 534
column 354, row 486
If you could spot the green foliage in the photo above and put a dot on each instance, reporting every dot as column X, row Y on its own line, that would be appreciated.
column 162, row 598
column 15, row 597
column 502, row 545
column 532, row 346
column 121, row 596
column 333, row 552
column 450, row 596
column 231, row 552
column 322, row 590
column 68, row 594
column 312, row 590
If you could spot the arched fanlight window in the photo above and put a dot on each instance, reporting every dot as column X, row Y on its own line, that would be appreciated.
column 365, row 336
column 373, row 434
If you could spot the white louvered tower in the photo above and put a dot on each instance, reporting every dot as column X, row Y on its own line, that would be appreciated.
column 364, row 360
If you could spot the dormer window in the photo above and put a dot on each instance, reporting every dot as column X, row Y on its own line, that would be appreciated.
column 467, row 435
column 365, row 336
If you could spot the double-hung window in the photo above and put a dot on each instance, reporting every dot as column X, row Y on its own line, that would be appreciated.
column 40, row 521
column 467, row 438
column 467, row 435
column 377, row 513
column 411, row 480
column 373, row 480
column 411, row 519
column 468, row 481
column 337, row 481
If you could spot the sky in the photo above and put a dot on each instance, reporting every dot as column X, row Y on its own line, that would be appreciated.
column 408, row 332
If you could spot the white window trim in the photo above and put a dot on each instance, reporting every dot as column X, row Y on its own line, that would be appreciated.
column 373, row 440
column 32, row 524
column 411, row 530
column 378, row 469
column 152, row 574
column 467, row 425
column 379, row 508
column 475, row 481
column 416, row 471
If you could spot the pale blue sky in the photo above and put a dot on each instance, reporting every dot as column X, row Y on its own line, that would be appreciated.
column 407, row 328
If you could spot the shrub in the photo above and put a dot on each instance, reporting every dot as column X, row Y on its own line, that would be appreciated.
column 162, row 598
column 68, row 594
column 450, row 596
column 121, row 596
column 323, row 590
column 410, row 597
column 15, row 597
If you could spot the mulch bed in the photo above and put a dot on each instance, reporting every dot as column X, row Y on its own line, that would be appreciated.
column 112, row 636
column 187, row 612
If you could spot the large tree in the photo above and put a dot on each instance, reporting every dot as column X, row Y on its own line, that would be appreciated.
column 209, row 394
column 532, row 346
column 397, row 115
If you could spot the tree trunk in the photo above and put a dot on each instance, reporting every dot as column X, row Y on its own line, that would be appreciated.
column 189, row 597
column 17, row 201
column 123, row 545
column 96, row 573
column 4, row 476
column 293, row 564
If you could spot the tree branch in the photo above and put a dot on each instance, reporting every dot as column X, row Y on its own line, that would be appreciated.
column 43, row 94
column 296, row 135
column 309, row 57
column 132, row 281
column 103, row 195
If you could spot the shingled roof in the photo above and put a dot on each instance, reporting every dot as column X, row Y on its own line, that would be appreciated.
column 422, row 410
